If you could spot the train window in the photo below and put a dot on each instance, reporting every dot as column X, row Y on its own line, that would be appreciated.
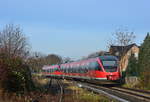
column 85, row 69
column 69, row 70
column 82, row 68
column 73, row 70
column 62, row 68
column 79, row 69
column 56, row 69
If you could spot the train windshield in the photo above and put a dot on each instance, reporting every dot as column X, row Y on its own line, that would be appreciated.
column 110, row 66
column 109, row 63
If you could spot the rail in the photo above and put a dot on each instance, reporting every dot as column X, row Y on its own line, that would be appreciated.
column 119, row 93
column 61, row 90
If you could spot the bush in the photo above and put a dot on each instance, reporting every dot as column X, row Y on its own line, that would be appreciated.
column 15, row 75
column 132, row 69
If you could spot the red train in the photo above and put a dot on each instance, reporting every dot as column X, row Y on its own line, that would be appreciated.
column 100, row 69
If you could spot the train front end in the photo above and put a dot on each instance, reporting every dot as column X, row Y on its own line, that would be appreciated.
column 110, row 69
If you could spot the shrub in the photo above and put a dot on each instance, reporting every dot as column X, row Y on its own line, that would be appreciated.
column 15, row 75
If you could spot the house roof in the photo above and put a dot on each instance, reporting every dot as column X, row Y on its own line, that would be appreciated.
column 121, row 49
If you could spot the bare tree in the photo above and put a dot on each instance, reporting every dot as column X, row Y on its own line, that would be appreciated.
column 13, row 42
column 67, row 59
column 96, row 54
column 122, row 37
column 37, row 60
column 118, row 45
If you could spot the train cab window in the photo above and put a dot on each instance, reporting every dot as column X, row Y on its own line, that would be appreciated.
column 110, row 65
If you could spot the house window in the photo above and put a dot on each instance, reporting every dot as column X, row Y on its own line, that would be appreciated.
column 117, row 53
column 136, row 55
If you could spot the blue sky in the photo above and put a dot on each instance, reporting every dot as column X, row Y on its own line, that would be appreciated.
column 75, row 28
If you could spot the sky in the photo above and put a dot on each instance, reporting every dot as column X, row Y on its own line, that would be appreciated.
column 75, row 28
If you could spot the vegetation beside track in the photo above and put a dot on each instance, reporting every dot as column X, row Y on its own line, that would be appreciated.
column 72, row 93
column 82, row 95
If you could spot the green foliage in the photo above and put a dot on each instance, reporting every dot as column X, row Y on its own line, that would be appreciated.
column 144, row 62
column 132, row 69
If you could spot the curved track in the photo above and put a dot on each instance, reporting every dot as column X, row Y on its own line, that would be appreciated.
column 119, row 93
column 56, row 89
column 61, row 90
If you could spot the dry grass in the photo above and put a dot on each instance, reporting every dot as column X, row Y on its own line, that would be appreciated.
column 72, row 94
column 82, row 95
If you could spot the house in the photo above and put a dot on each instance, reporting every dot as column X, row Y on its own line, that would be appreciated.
column 124, row 53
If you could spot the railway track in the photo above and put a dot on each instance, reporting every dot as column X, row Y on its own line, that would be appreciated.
column 145, row 95
column 56, row 89
column 119, row 93
column 61, row 90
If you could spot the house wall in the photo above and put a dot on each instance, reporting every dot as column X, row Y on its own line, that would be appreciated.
column 125, row 59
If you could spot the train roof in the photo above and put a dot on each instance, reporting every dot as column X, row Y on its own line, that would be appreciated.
column 108, row 57
column 82, row 61
column 92, row 59
column 50, row 66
